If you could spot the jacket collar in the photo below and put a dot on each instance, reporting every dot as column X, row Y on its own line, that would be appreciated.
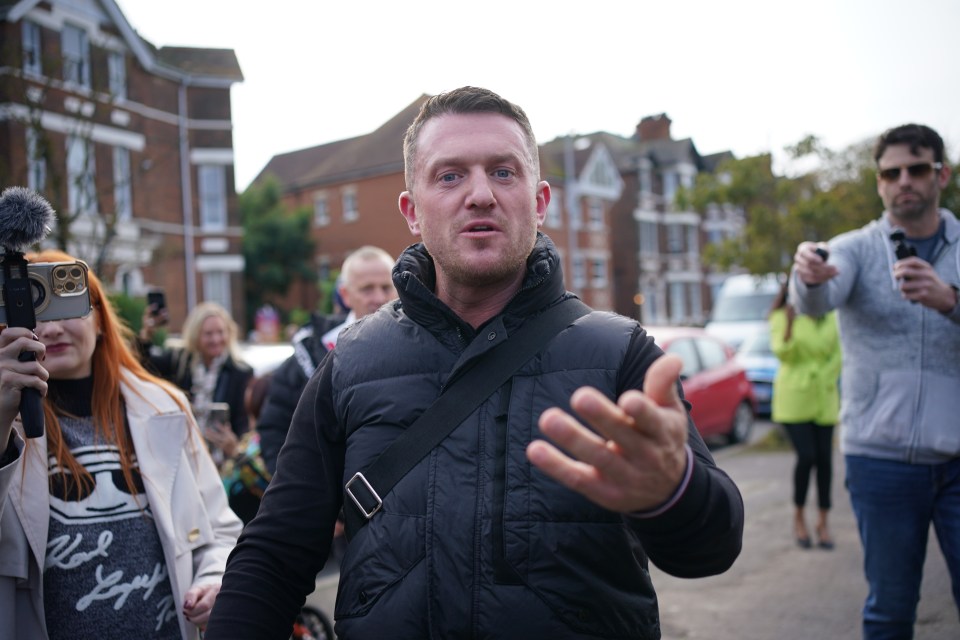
column 414, row 277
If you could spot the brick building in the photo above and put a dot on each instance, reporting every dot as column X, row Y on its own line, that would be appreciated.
column 131, row 144
column 658, row 275
column 625, row 246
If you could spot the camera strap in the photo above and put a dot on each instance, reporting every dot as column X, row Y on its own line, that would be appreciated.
column 367, row 488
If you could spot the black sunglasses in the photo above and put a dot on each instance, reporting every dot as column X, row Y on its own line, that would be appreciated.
column 919, row 170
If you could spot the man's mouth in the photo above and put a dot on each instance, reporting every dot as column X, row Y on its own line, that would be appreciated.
column 480, row 228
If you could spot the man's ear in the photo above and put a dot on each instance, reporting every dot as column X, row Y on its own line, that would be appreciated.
column 409, row 211
column 543, row 201
column 943, row 178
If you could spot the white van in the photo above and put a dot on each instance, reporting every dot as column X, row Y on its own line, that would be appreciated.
column 742, row 305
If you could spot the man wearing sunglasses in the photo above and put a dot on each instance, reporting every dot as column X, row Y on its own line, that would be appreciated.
column 894, row 283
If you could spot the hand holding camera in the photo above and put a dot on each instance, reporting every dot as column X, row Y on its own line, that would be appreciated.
column 34, row 293
column 810, row 263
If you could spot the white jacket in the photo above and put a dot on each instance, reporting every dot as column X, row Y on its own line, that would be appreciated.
column 197, row 528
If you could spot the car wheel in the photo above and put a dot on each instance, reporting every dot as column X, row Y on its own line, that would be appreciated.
column 742, row 424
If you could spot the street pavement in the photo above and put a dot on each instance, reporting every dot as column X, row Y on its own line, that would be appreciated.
column 778, row 591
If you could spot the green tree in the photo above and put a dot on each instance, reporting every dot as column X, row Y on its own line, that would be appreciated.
column 836, row 195
column 277, row 245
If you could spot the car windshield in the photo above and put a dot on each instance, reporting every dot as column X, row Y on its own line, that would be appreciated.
column 756, row 343
column 742, row 308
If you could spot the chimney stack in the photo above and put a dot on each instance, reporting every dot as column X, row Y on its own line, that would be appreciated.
column 654, row 128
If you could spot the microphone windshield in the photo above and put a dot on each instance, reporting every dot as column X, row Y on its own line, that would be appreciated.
column 25, row 218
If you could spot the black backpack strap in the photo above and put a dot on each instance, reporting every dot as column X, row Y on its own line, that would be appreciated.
column 367, row 488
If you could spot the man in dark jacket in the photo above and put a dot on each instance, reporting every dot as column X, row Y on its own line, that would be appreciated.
column 495, row 533
column 364, row 286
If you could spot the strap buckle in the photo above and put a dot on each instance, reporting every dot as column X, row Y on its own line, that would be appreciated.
column 372, row 494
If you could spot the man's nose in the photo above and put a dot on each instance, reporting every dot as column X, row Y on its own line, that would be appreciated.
column 480, row 194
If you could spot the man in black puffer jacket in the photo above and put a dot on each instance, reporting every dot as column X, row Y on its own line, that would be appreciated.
column 364, row 287
column 495, row 533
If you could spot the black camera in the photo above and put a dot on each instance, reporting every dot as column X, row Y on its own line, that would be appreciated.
column 58, row 290
column 901, row 247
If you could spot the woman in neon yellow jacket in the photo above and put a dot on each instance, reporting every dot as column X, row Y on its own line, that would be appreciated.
column 806, row 402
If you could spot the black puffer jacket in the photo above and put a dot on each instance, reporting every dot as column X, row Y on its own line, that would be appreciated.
column 287, row 384
column 474, row 542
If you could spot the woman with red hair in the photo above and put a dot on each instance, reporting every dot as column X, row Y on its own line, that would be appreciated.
column 114, row 523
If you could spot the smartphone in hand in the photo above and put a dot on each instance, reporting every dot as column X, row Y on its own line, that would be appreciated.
column 157, row 300
column 218, row 413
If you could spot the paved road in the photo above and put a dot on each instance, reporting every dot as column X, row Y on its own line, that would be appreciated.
column 777, row 591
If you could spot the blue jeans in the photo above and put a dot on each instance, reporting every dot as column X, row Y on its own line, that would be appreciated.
column 894, row 503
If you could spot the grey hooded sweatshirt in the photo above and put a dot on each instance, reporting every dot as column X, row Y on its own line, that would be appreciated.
column 900, row 385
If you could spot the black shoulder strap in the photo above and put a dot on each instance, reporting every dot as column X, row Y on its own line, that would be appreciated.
column 462, row 396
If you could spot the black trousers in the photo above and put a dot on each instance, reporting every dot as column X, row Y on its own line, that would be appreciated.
column 814, row 446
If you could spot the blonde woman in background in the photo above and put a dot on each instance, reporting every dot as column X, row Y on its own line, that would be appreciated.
column 208, row 368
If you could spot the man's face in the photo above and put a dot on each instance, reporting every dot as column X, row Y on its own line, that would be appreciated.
column 906, row 197
column 368, row 286
column 475, row 202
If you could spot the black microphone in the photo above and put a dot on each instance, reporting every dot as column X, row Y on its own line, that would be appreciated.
column 25, row 219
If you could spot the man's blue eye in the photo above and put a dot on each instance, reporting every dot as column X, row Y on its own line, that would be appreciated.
column 504, row 173
column 448, row 177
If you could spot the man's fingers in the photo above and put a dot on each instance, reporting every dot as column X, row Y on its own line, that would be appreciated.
column 569, row 434
column 660, row 381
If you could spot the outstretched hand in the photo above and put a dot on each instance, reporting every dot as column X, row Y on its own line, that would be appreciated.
column 812, row 268
column 635, row 459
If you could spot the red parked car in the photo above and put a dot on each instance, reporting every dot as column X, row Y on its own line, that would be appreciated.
column 714, row 383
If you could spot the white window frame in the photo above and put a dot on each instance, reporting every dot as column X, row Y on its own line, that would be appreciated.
column 348, row 200
column 649, row 311
column 575, row 215
column 579, row 267
column 75, row 46
column 696, row 300
column 81, row 176
column 216, row 288
column 117, row 72
column 36, row 163
column 649, row 237
column 32, row 48
column 675, row 238
column 670, row 184
column 122, row 188
column 212, row 193
column 693, row 239
column 321, row 209
column 595, row 213
column 598, row 272
column 678, row 302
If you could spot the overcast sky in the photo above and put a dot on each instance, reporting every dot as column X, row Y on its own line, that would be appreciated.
column 742, row 75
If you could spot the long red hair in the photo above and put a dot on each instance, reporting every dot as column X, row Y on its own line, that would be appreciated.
column 112, row 354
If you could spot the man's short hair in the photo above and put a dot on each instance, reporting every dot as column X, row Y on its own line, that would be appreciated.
column 465, row 100
column 364, row 254
column 915, row 135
